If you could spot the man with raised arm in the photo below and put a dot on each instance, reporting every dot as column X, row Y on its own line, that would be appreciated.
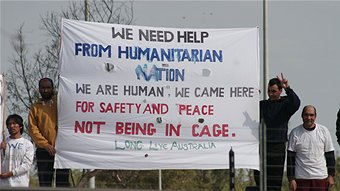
column 275, row 112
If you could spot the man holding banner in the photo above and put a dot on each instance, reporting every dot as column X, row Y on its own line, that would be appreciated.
column 275, row 113
column 43, row 131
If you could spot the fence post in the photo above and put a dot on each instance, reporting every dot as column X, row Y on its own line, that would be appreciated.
column 231, row 170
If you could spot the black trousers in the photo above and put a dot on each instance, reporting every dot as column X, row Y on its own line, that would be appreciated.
column 45, row 170
column 276, row 155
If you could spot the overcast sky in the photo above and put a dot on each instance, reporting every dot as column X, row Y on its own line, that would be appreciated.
column 303, row 37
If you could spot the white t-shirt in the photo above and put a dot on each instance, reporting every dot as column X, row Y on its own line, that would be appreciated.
column 18, row 159
column 310, row 148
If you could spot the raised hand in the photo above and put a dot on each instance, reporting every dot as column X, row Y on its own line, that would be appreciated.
column 284, row 81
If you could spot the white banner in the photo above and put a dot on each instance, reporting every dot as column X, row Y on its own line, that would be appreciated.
column 133, row 97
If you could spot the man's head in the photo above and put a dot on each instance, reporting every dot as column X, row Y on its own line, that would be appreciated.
column 46, row 88
column 15, row 124
column 274, row 89
column 308, row 116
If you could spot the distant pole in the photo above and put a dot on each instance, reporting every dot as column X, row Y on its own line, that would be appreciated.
column 160, row 179
column 263, row 157
column 231, row 170
column 263, row 147
column 265, row 49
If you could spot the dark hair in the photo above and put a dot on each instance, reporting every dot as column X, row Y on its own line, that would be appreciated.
column 18, row 120
column 43, row 79
column 275, row 81
column 304, row 108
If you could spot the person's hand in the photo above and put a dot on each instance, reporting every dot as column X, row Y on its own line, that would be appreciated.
column 3, row 145
column 292, row 185
column 284, row 81
column 50, row 149
column 330, row 180
column 6, row 175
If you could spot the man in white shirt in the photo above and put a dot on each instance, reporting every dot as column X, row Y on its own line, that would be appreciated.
column 310, row 155
column 18, row 156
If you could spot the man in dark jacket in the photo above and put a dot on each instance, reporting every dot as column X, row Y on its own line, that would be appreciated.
column 275, row 112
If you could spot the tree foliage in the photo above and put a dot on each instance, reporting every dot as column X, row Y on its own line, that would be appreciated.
column 171, row 179
column 26, row 70
column 195, row 180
